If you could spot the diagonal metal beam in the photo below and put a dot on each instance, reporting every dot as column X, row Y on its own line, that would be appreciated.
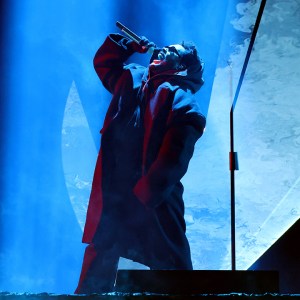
column 233, row 155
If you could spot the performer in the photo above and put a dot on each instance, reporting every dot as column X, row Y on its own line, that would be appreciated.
column 136, row 209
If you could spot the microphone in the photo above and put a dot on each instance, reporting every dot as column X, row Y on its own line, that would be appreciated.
column 132, row 35
column 128, row 32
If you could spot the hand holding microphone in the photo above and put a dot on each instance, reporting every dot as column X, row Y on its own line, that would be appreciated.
column 140, row 44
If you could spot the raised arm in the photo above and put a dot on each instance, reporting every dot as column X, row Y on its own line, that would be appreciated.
column 109, row 60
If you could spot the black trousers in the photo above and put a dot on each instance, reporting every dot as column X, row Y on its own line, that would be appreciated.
column 99, row 270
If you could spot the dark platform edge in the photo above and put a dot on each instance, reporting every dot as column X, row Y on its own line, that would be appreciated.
column 139, row 296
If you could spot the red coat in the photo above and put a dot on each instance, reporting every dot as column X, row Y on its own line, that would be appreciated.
column 148, row 139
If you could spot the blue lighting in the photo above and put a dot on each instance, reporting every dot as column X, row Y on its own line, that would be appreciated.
column 55, row 105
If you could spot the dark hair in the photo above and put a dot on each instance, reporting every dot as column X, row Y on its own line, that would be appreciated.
column 190, row 56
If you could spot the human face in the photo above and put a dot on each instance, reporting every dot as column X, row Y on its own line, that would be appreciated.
column 169, row 57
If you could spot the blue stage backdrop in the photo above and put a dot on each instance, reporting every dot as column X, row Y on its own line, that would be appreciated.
column 53, row 108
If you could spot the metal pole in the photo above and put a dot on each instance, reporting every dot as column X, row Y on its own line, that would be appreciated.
column 233, row 160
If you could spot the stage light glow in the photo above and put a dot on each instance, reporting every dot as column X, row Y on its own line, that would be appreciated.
column 56, row 106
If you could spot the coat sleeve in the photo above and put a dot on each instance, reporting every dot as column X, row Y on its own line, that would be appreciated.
column 109, row 60
column 186, row 126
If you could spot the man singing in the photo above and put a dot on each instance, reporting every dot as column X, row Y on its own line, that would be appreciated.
column 136, row 209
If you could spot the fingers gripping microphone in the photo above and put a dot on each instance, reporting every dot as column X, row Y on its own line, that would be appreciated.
column 128, row 32
column 132, row 35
